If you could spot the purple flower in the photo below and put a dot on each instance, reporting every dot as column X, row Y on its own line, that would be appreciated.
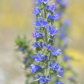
column 57, row 53
column 36, row 11
column 60, row 71
column 55, row 67
column 45, row 1
column 59, row 82
column 52, row 7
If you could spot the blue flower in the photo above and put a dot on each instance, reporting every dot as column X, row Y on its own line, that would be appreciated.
column 52, row 31
column 36, row 28
column 42, row 79
column 25, row 59
column 47, row 7
column 37, row 59
column 21, row 48
column 49, row 16
column 52, row 7
column 51, row 64
column 66, row 58
column 55, row 67
column 41, row 44
column 60, row 71
column 67, row 22
column 49, row 47
column 59, row 1
column 59, row 13
column 39, row 17
column 55, row 17
column 53, row 49
column 38, row 2
column 45, row 45
column 63, row 35
column 40, row 57
column 43, row 22
column 45, row 1
column 38, row 76
column 36, row 11
column 48, row 78
column 59, row 82
column 62, row 29
column 64, row 3
column 37, row 34
column 34, row 68
column 71, row 78
column 44, row 57
column 37, row 23
column 36, row 44
column 57, row 53
column 56, row 30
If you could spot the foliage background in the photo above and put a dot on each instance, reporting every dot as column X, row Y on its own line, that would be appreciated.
column 16, row 18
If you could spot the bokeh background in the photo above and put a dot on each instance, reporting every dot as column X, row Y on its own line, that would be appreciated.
column 16, row 18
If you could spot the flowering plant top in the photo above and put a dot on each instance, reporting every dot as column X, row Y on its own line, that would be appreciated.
column 45, row 65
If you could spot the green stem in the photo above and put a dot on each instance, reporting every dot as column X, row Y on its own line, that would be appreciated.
column 38, row 82
column 46, row 36
column 45, row 19
column 45, row 11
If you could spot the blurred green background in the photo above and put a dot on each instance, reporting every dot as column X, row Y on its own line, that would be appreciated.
column 16, row 18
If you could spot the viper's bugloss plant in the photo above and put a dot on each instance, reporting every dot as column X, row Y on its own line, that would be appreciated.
column 63, row 37
column 23, row 45
column 46, row 64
